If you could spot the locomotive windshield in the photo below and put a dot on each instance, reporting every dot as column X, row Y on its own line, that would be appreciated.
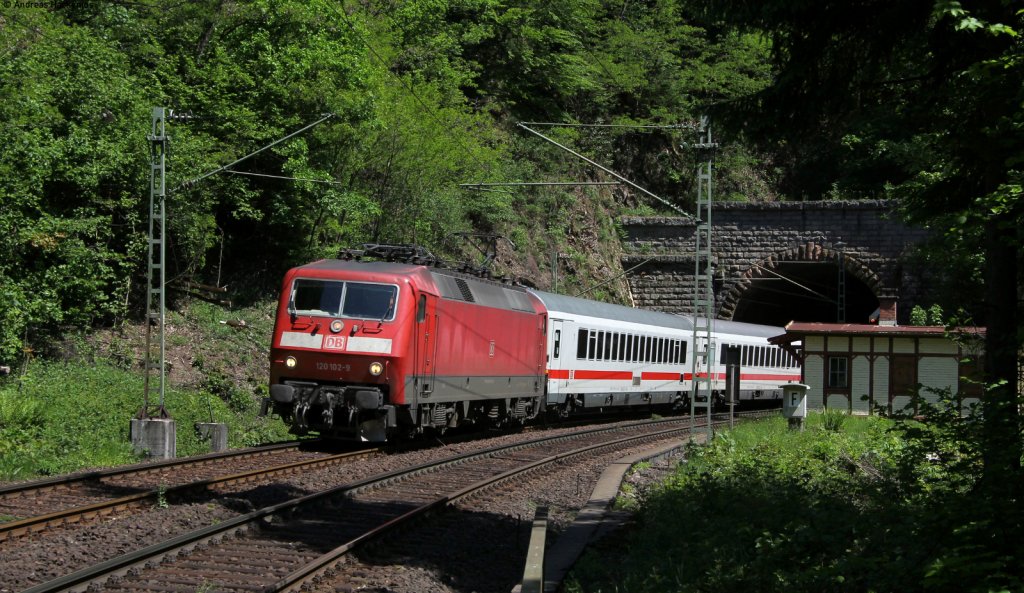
column 329, row 298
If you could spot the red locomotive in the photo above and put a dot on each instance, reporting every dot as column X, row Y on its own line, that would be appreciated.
column 364, row 349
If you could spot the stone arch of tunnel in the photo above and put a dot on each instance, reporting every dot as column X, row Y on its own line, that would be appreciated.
column 803, row 284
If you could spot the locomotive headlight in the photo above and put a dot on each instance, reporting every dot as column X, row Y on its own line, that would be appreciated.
column 376, row 368
column 290, row 362
column 337, row 325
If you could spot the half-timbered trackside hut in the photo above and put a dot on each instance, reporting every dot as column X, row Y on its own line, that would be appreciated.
column 859, row 368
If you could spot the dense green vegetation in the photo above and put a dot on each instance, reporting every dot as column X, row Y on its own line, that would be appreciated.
column 850, row 504
column 62, row 416
column 423, row 96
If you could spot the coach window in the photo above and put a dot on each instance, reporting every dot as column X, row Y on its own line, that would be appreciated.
column 581, row 344
column 838, row 375
column 592, row 345
column 616, row 346
column 558, row 342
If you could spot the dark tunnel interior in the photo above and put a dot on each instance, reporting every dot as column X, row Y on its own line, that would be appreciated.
column 805, row 291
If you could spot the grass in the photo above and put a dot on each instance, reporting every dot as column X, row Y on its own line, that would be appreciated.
column 58, row 417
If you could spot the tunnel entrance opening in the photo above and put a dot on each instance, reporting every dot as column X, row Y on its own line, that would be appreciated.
column 803, row 291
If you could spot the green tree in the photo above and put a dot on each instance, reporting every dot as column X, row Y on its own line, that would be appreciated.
column 70, row 170
column 920, row 100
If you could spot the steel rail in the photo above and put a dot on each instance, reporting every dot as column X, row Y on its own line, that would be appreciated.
column 294, row 582
column 83, row 579
column 72, row 515
column 21, row 488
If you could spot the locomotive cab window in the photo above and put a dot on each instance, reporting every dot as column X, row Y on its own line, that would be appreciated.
column 329, row 298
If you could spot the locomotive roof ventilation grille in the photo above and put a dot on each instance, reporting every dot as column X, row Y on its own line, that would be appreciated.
column 467, row 294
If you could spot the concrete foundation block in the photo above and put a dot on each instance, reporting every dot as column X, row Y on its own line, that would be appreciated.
column 154, row 437
column 216, row 433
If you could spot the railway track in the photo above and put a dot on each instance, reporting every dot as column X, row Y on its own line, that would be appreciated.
column 36, row 506
column 280, row 547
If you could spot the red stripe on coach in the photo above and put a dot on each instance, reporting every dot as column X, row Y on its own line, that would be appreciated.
column 660, row 376
column 606, row 375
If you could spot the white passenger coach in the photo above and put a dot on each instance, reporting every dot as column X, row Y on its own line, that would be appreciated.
column 604, row 355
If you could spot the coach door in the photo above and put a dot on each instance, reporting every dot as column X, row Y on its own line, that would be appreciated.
column 558, row 367
column 426, row 344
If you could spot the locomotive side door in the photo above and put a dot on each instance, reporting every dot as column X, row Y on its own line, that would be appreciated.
column 424, row 366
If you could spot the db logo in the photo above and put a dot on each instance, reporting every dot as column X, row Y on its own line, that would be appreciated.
column 334, row 343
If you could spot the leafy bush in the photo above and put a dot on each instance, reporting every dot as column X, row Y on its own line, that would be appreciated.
column 832, row 420
column 882, row 506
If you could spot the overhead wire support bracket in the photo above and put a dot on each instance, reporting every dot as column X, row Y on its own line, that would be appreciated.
column 265, row 176
column 155, row 356
column 536, row 183
column 192, row 182
column 605, row 169
column 694, row 125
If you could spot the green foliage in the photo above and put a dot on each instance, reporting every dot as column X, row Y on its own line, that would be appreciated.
column 919, row 316
column 919, row 101
column 47, row 428
column 421, row 94
column 881, row 506
column 932, row 316
column 832, row 420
